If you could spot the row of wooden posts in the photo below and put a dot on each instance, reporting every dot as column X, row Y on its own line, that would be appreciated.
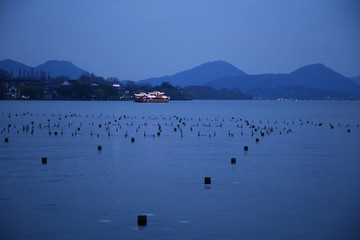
column 142, row 219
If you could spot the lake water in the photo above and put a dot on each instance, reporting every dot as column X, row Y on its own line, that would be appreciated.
column 301, row 180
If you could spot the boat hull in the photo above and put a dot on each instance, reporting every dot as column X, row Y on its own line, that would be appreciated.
column 155, row 100
column 152, row 97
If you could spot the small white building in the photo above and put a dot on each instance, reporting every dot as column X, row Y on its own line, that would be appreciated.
column 66, row 83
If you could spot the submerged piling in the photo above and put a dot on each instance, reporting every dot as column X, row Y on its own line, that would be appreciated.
column 207, row 180
column 142, row 220
column 44, row 160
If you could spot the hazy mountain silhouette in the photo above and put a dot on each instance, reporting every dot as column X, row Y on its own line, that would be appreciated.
column 316, row 79
column 198, row 75
column 356, row 79
column 14, row 67
column 53, row 68
column 319, row 76
column 61, row 68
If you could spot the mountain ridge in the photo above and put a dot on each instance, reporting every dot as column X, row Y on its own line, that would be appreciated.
column 13, row 67
column 311, row 80
column 54, row 68
column 202, row 73
column 311, row 77
column 61, row 68
column 356, row 79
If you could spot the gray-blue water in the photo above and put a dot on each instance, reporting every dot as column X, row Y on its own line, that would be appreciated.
column 300, row 181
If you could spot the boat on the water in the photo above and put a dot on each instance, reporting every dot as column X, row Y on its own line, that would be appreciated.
column 152, row 97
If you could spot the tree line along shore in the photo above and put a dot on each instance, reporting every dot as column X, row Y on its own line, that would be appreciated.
column 90, row 87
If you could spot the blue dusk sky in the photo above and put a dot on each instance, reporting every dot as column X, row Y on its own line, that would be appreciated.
column 137, row 39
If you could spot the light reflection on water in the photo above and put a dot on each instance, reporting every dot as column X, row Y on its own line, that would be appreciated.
column 300, row 184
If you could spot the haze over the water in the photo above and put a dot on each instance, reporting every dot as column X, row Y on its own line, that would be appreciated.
column 140, row 39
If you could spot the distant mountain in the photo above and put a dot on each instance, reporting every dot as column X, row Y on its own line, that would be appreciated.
column 53, row 68
column 356, row 79
column 14, row 67
column 198, row 75
column 319, row 76
column 314, row 81
column 61, row 68
column 304, row 81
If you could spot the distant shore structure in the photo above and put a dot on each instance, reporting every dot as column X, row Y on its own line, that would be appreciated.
column 156, row 97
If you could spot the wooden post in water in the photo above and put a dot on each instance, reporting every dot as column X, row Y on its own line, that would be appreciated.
column 142, row 220
column 207, row 180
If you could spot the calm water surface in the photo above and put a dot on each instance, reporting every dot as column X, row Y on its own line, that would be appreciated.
column 300, row 181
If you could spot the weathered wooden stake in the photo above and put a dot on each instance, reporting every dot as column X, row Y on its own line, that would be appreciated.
column 142, row 220
column 207, row 180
